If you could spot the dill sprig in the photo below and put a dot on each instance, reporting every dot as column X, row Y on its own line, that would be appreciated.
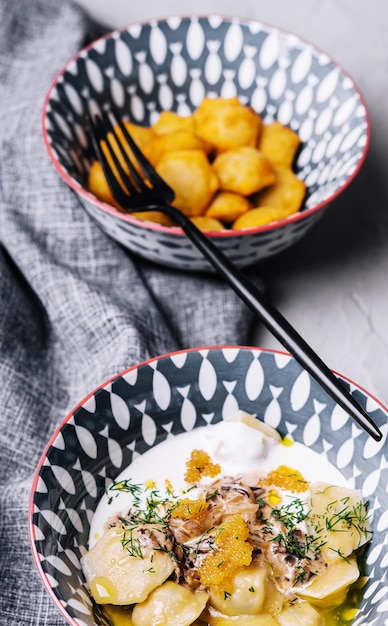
column 127, row 486
column 291, row 514
column 300, row 545
column 348, row 517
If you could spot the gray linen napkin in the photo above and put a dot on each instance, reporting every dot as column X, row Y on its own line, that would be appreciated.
column 75, row 307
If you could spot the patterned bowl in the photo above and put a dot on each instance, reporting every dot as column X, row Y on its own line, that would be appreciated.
column 174, row 393
column 172, row 64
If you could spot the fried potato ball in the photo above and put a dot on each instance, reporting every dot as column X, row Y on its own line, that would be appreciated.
column 223, row 163
column 207, row 223
column 244, row 170
column 279, row 143
column 258, row 217
column 141, row 135
column 226, row 123
column 192, row 178
column 227, row 206
column 177, row 140
column 287, row 193
column 97, row 184
column 120, row 146
column 154, row 216
column 170, row 122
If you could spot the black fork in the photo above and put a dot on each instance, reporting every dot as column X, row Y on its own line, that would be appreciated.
column 142, row 189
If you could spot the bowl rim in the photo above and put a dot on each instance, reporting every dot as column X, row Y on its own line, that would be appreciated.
column 177, row 231
column 31, row 526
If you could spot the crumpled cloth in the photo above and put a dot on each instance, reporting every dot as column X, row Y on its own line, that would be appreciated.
column 76, row 308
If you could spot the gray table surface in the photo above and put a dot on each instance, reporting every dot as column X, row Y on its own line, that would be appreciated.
column 332, row 286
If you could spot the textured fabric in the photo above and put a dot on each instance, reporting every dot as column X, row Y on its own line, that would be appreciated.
column 75, row 307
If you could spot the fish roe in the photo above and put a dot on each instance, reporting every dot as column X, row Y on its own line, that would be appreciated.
column 287, row 478
column 200, row 464
column 190, row 509
column 230, row 552
column 273, row 497
column 169, row 486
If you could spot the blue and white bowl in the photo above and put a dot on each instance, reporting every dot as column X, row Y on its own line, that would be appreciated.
column 175, row 393
column 172, row 64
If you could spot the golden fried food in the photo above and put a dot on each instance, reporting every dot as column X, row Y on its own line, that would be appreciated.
column 226, row 123
column 244, row 170
column 222, row 162
column 287, row 193
column 141, row 135
column 227, row 206
column 258, row 216
column 118, row 144
column 154, row 216
column 207, row 223
column 97, row 184
column 191, row 176
column 279, row 143
column 170, row 122
column 177, row 140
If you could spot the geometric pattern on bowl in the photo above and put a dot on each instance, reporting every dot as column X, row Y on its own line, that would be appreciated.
column 178, row 392
column 172, row 64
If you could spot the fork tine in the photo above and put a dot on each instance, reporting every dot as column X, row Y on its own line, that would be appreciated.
column 145, row 165
column 97, row 134
column 134, row 182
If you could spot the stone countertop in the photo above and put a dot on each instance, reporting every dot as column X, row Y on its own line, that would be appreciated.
column 332, row 285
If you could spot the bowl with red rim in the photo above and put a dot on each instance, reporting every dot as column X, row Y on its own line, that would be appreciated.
column 173, row 64
column 130, row 414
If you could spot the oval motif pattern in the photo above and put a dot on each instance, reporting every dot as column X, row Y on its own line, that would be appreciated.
column 120, row 411
column 254, row 380
column 123, row 57
column 115, row 452
column 95, row 75
column 74, row 98
column 283, row 381
column 195, row 40
column 64, row 478
column 273, row 414
column 161, row 390
column 277, row 84
column 178, row 66
column 207, row 379
column 247, row 73
column 188, row 415
column 269, row 51
column 300, row 391
column 312, row 431
column 327, row 86
column 302, row 65
column 148, row 430
column 230, row 406
column 87, row 441
column 117, row 93
column 345, row 454
column 233, row 42
column 158, row 45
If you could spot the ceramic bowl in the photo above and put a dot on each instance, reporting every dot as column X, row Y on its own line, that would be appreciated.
column 172, row 64
column 175, row 393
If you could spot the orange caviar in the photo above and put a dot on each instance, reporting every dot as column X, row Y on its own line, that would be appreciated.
column 190, row 509
column 287, row 478
column 169, row 486
column 200, row 464
column 231, row 551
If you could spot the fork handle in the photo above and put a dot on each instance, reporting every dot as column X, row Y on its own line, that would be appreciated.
column 255, row 299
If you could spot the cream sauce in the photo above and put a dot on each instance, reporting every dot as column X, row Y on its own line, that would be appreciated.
column 236, row 446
